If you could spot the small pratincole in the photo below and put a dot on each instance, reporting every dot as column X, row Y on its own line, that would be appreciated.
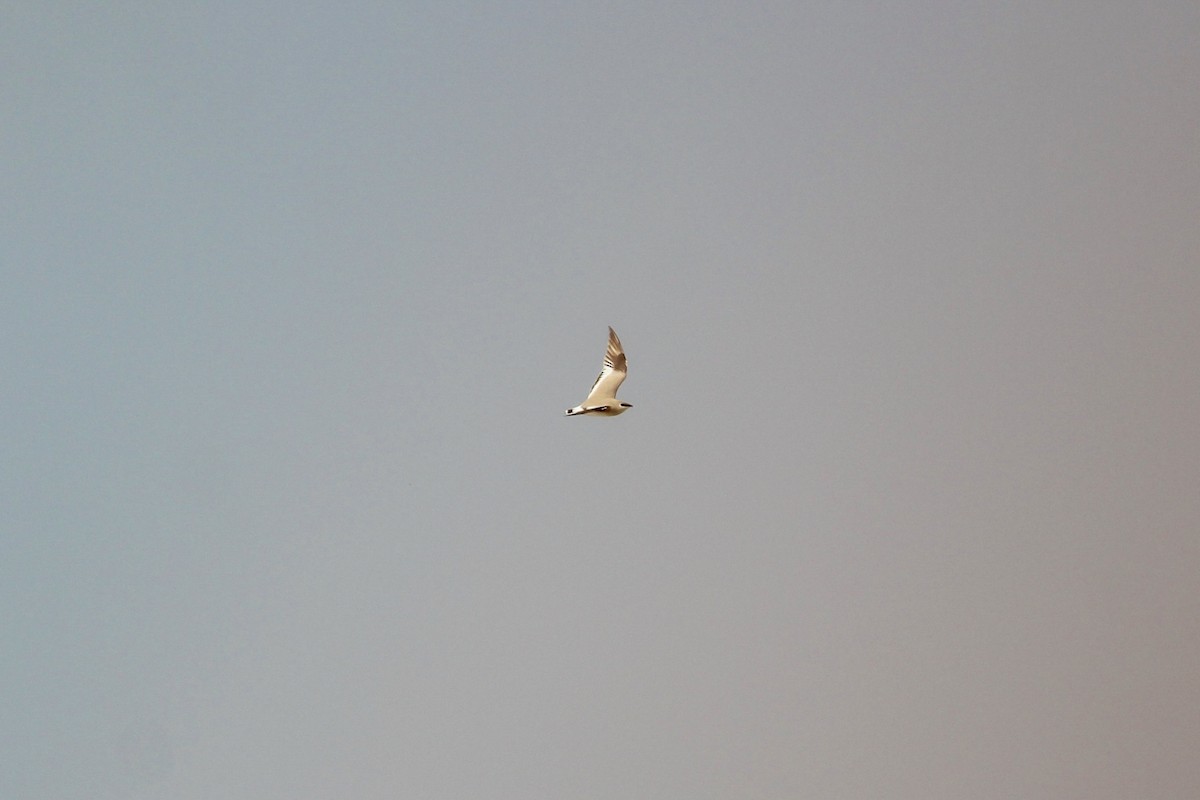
column 602, row 399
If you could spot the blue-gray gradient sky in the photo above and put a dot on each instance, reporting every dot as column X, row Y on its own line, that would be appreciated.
column 294, row 296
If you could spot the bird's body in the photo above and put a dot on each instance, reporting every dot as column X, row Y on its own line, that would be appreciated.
column 602, row 400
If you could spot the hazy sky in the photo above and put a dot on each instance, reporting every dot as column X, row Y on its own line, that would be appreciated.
column 294, row 296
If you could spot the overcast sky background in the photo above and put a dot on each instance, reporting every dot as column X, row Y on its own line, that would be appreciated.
column 294, row 297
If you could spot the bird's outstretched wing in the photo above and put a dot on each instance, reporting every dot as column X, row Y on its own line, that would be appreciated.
column 613, row 373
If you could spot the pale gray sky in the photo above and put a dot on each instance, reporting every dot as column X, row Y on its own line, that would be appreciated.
column 294, row 296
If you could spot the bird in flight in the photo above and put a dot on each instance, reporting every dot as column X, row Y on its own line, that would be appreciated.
column 602, row 399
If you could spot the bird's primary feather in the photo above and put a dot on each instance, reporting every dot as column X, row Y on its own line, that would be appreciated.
column 611, row 375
